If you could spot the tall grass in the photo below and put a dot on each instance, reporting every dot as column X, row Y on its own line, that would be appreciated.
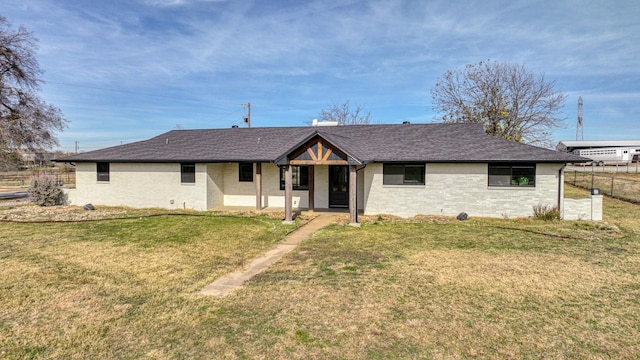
column 546, row 212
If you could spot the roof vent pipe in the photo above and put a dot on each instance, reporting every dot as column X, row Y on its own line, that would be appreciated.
column 406, row 123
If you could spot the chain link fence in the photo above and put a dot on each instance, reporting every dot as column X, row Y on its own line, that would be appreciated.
column 609, row 184
column 629, row 167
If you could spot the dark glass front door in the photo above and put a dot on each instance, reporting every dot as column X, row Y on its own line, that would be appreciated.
column 338, row 186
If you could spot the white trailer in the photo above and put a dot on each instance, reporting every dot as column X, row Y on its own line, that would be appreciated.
column 613, row 155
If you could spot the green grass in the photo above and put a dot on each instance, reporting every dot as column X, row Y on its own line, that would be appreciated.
column 424, row 288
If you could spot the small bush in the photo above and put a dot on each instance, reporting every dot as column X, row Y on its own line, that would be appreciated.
column 45, row 191
column 546, row 212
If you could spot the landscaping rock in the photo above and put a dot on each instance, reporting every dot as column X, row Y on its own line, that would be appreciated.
column 462, row 216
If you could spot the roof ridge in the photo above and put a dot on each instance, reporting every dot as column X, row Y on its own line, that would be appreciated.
column 434, row 142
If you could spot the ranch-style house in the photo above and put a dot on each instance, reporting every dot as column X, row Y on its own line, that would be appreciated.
column 403, row 170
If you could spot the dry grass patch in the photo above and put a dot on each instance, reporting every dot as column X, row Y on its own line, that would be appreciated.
column 115, row 288
column 436, row 289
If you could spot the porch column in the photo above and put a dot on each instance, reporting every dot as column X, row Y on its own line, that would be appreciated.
column 353, row 191
column 311, row 188
column 288, row 195
column 259, row 186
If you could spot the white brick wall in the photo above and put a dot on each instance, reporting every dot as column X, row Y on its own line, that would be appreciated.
column 238, row 193
column 453, row 188
column 215, row 185
column 140, row 185
column 321, row 187
column 449, row 189
column 583, row 209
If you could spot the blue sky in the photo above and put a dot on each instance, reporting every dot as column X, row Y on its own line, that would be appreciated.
column 123, row 71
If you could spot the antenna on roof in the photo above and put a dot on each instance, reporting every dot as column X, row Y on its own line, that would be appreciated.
column 579, row 127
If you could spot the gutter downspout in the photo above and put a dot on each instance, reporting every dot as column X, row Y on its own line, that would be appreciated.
column 560, row 187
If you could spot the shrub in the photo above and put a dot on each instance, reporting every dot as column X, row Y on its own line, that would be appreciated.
column 546, row 212
column 45, row 191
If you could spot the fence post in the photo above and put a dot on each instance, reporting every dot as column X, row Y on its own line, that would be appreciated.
column 612, row 178
column 575, row 174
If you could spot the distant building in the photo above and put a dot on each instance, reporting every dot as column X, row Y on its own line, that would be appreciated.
column 36, row 159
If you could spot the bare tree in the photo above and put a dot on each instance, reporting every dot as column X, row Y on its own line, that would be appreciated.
column 344, row 115
column 26, row 122
column 511, row 101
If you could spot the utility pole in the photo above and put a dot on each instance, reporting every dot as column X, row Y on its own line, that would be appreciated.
column 76, row 147
column 247, row 118
column 579, row 126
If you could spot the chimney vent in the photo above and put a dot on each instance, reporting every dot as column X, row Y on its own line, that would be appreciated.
column 315, row 122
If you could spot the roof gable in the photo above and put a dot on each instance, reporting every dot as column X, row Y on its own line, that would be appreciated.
column 317, row 151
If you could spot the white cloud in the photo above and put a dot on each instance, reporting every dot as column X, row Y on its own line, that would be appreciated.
column 168, row 3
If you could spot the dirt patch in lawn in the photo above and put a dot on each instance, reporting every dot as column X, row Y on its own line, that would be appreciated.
column 29, row 213
column 21, row 212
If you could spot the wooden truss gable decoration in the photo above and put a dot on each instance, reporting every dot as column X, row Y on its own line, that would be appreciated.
column 318, row 152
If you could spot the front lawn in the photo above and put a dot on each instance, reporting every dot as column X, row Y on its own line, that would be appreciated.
column 116, row 288
column 422, row 288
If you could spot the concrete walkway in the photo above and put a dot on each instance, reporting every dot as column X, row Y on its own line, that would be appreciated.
column 224, row 285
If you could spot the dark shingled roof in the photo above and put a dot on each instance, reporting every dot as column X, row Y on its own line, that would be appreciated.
column 362, row 143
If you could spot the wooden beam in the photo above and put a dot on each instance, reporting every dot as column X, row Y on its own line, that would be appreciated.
column 319, row 162
column 353, row 192
column 288, row 195
column 313, row 156
column 311, row 188
column 319, row 156
column 258, row 181
column 326, row 155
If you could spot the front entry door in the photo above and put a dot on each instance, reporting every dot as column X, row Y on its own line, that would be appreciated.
column 338, row 186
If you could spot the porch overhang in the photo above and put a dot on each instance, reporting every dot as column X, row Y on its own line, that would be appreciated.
column 317, row 150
